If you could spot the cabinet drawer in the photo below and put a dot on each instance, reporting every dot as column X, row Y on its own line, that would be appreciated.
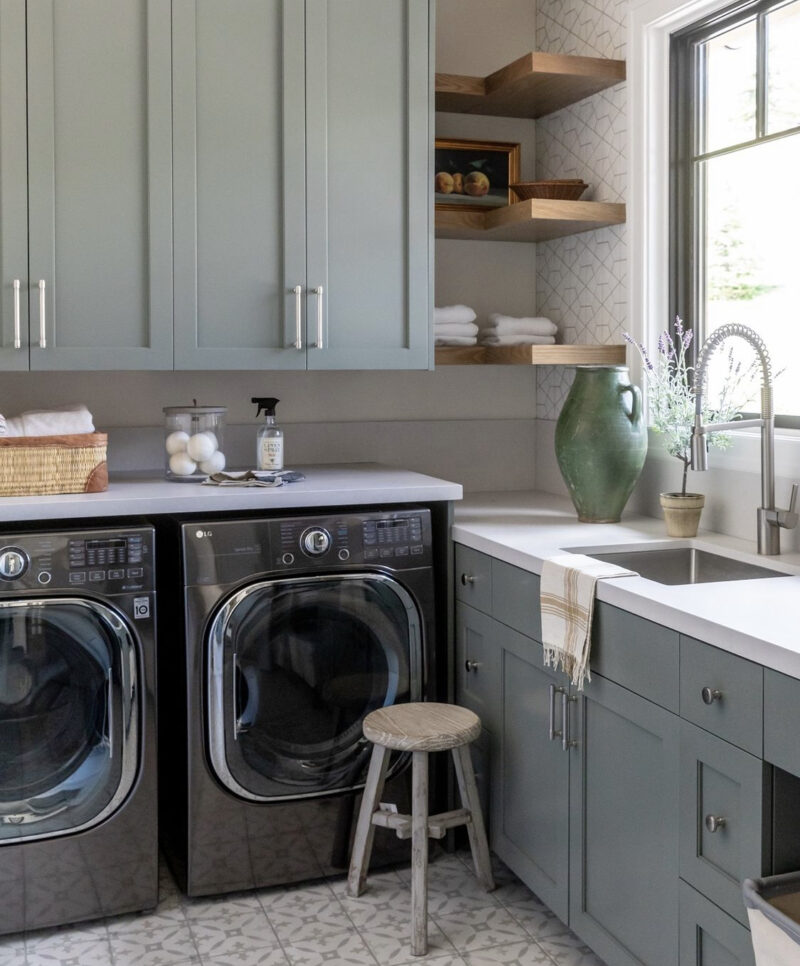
column 474, row 578
column 722, row 693
column 478, row 666
column 724, row 798
column 709, row 937
column 515, row 599
column 636, row 653
column 782, row 721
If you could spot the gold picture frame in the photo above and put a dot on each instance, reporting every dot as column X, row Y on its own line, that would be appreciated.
column 474, row 175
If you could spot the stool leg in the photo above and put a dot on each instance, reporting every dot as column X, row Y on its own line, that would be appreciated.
column 419, row 854
column 476, row 829
column 365, row 830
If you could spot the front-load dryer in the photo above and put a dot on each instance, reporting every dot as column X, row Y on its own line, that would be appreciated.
column 78, row 799
column 295, row 628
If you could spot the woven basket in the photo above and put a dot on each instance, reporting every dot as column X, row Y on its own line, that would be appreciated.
column 44, row 465
column 565, row 190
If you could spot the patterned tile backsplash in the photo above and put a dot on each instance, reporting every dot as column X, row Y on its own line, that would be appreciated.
column 581, row 280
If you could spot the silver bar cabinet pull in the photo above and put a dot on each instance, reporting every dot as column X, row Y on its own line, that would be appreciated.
column 42, row 326
column 552, row 734
column 17, row 329
column 319, row 291
column 298, row 316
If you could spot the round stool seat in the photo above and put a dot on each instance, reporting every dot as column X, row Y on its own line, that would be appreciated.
column 422, row 726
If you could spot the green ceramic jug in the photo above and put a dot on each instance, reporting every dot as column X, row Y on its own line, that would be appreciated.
column 601, row 441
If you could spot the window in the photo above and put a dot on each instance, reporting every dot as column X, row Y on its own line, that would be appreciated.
column 735, row 181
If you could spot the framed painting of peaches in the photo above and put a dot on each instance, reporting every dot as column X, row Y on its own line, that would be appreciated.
column 474, row 175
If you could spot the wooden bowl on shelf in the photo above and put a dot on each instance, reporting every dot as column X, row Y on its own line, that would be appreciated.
column 566, row 189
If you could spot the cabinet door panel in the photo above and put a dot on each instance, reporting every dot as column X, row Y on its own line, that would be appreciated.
column 624, row 832
column 474, row 578
column 239, row 185
column 531, row 828
column 369, row 183
column 782, row 721
column 100, row 183
column 515, row 599
column 478, row 683
column 708, row 936
column 13, row 184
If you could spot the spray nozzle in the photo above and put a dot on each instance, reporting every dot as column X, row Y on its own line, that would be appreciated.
column 266, row 404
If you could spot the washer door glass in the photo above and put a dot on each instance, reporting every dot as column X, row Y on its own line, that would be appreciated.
column 294, row 666
column 69, row 718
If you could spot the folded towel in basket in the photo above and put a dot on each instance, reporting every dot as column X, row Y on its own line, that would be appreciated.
column 567, row 598
column 509, row 325
column 61, row 421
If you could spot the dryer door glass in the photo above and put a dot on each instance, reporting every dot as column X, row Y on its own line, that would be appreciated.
column 68, row 715
column 294, row 666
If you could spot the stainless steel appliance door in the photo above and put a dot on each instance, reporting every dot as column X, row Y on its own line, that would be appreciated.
column 69, row 715
column 293, row 666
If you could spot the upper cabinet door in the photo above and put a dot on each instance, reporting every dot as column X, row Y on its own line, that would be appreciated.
column 99, row 184
column 369, row 144
column 239, row 90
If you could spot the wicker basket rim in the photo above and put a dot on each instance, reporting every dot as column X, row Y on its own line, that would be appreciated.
column 70, row 441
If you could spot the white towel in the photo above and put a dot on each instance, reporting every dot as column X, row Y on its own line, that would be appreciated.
column 567, row 597
column 61, row 421
column 455, row 340
column 455, row 328
column 489, row 338
column 508, row 325
column 454, row 313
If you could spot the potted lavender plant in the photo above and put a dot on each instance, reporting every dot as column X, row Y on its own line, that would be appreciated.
column 672, row 408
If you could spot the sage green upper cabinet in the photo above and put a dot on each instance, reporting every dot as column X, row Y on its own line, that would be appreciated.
column 302, row 186
column 95, row 265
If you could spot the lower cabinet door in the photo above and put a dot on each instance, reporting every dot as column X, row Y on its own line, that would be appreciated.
column 530, row 824
column 708, row 936
column 624, row 826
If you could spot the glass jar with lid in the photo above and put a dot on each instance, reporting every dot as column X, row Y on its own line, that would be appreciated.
column 194, row 442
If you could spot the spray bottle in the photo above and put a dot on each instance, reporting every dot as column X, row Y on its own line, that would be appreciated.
column 269, row 447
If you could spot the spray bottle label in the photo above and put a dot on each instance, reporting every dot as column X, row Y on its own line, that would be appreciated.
column 270, row 455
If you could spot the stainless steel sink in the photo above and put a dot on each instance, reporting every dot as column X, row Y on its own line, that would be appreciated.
column 684, row 565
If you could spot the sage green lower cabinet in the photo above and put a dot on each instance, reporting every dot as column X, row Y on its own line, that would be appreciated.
column 710, row 937
column 478, row 666
column 624, row 826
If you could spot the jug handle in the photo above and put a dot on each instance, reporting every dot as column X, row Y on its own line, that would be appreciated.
column 636, row 401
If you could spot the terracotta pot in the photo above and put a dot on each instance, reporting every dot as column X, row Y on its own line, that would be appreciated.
column 682, row 513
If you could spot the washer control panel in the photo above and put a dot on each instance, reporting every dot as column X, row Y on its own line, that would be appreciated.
column 315, row 541
column 13, row 563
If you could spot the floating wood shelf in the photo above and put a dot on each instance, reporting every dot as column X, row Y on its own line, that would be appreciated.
column 532, row 86
column 538, row 219
column 530, row 355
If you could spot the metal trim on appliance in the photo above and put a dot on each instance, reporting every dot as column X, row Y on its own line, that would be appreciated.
column 216, row 667
column 129, row 742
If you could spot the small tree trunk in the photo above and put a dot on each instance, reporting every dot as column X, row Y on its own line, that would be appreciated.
column 685, row 474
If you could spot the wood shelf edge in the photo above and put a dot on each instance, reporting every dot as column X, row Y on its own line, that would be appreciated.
column 529, row 221
column 531, row 355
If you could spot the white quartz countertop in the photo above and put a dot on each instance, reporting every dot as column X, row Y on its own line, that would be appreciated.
column 756, row 619
column 346, row 484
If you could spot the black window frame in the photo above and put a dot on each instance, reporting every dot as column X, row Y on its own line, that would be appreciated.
column 685, row 123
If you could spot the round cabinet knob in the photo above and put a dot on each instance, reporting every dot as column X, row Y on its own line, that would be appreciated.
column 315, row 541
column 714, row 822
column 471, row 665
column 13, row 563
column 710, row 695
column 467, row 579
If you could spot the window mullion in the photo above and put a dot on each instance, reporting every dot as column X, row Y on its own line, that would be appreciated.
column 761, row 75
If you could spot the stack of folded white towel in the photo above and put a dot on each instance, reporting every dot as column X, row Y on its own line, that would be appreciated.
column 62, row 421
column 454, row 325
column 507, row 330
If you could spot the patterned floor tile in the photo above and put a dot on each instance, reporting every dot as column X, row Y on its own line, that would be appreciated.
column 568, row 950
column 222, row 907
column 165, row 946
column 538, row 921
column 252, row 957
column 392, row 946
column 223, row 935
column 343, row 949
column 481, row 929
column 515, row 954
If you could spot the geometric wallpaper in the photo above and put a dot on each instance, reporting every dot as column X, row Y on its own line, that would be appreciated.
column 581, row 280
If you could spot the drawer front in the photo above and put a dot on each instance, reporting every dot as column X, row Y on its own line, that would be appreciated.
column 782, row 721
column 474, row 578
column 515, row 599
column 478, row 659
column 724, row 803
column 722, row 693
column 709, row 937
column 636, row 653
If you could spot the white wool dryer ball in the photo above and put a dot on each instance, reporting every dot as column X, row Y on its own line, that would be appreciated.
column 176, row 442
column 201, row 446
column 212, row 437
column 214, row 464
column 181, row 464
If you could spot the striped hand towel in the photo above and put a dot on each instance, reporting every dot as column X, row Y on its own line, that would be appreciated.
column 567, row 598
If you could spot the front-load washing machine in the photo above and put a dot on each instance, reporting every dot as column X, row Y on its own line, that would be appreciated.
column 295, row 628
column 78, row 799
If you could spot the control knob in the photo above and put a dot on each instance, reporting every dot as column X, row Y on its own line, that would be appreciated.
column 13, row 563
column 315, row 541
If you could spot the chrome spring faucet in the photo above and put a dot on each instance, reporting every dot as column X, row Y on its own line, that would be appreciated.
column 769, row 518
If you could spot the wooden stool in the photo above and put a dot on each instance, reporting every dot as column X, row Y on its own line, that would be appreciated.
column 419, row 728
